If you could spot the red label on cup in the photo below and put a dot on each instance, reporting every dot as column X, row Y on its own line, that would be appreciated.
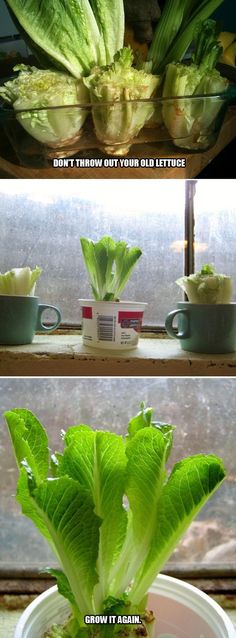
column 130, row 319
column 87, row 312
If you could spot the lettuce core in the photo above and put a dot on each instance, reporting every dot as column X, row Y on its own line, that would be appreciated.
column 189, row 121
column 19, row 281
column 207, row 287
column 115, row 92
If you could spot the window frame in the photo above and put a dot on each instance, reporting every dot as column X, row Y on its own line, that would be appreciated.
column 214, row 581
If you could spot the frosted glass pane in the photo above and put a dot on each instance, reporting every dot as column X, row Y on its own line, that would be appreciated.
column 215, row 225
column 203, row 411
column 53, row 215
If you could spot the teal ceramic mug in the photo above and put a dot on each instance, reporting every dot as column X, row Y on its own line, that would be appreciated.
column 207, row 328
column 21, row 317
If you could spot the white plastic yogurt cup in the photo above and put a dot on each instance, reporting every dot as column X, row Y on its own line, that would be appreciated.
column 111, row 325
column 180, row 609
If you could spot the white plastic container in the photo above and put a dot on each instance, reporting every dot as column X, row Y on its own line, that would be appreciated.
column 182, row 611
column 114, row 325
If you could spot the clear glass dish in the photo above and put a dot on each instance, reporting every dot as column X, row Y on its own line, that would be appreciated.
column 115, row 129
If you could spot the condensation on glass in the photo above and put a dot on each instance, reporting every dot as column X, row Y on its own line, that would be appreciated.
column 215, row 225
column 203, row 411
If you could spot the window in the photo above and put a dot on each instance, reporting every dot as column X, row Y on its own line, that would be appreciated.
column 52, row 215
column 215, row 218
column 52, row 218
column 10, row 40
column 203, row 411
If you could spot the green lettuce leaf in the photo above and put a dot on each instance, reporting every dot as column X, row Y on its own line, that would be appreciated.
column 190, row 484
column 25, row 484
column 30, row 444
column 71, row 35
column 66, row 30
column 142, row 420
column 110, row 19
column 145, row 474
column 63, row 584
column 29, row 440
column 109, row 265
column 97, row 461
column 43, row 500
column 67, row 511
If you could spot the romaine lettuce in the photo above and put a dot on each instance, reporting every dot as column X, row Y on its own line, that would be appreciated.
column 72, row 35
column 109, row 510
column 109, row 265
column 189, row 120
column 120, row 97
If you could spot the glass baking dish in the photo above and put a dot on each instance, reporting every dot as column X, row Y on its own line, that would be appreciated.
column 117, row 129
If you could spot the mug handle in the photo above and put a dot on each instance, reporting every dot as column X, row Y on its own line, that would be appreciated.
column 40, row 324
column 169, row 324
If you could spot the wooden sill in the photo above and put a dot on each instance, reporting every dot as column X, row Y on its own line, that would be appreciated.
column 65, row 355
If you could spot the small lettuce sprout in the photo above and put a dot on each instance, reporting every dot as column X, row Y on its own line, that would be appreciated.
column 115, row 92
column 110, row 511
column 206, row 286
column 109, row 265
column 34, row 92
column 19, row 281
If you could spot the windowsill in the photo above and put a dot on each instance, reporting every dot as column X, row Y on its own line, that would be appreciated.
column 65, row 355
